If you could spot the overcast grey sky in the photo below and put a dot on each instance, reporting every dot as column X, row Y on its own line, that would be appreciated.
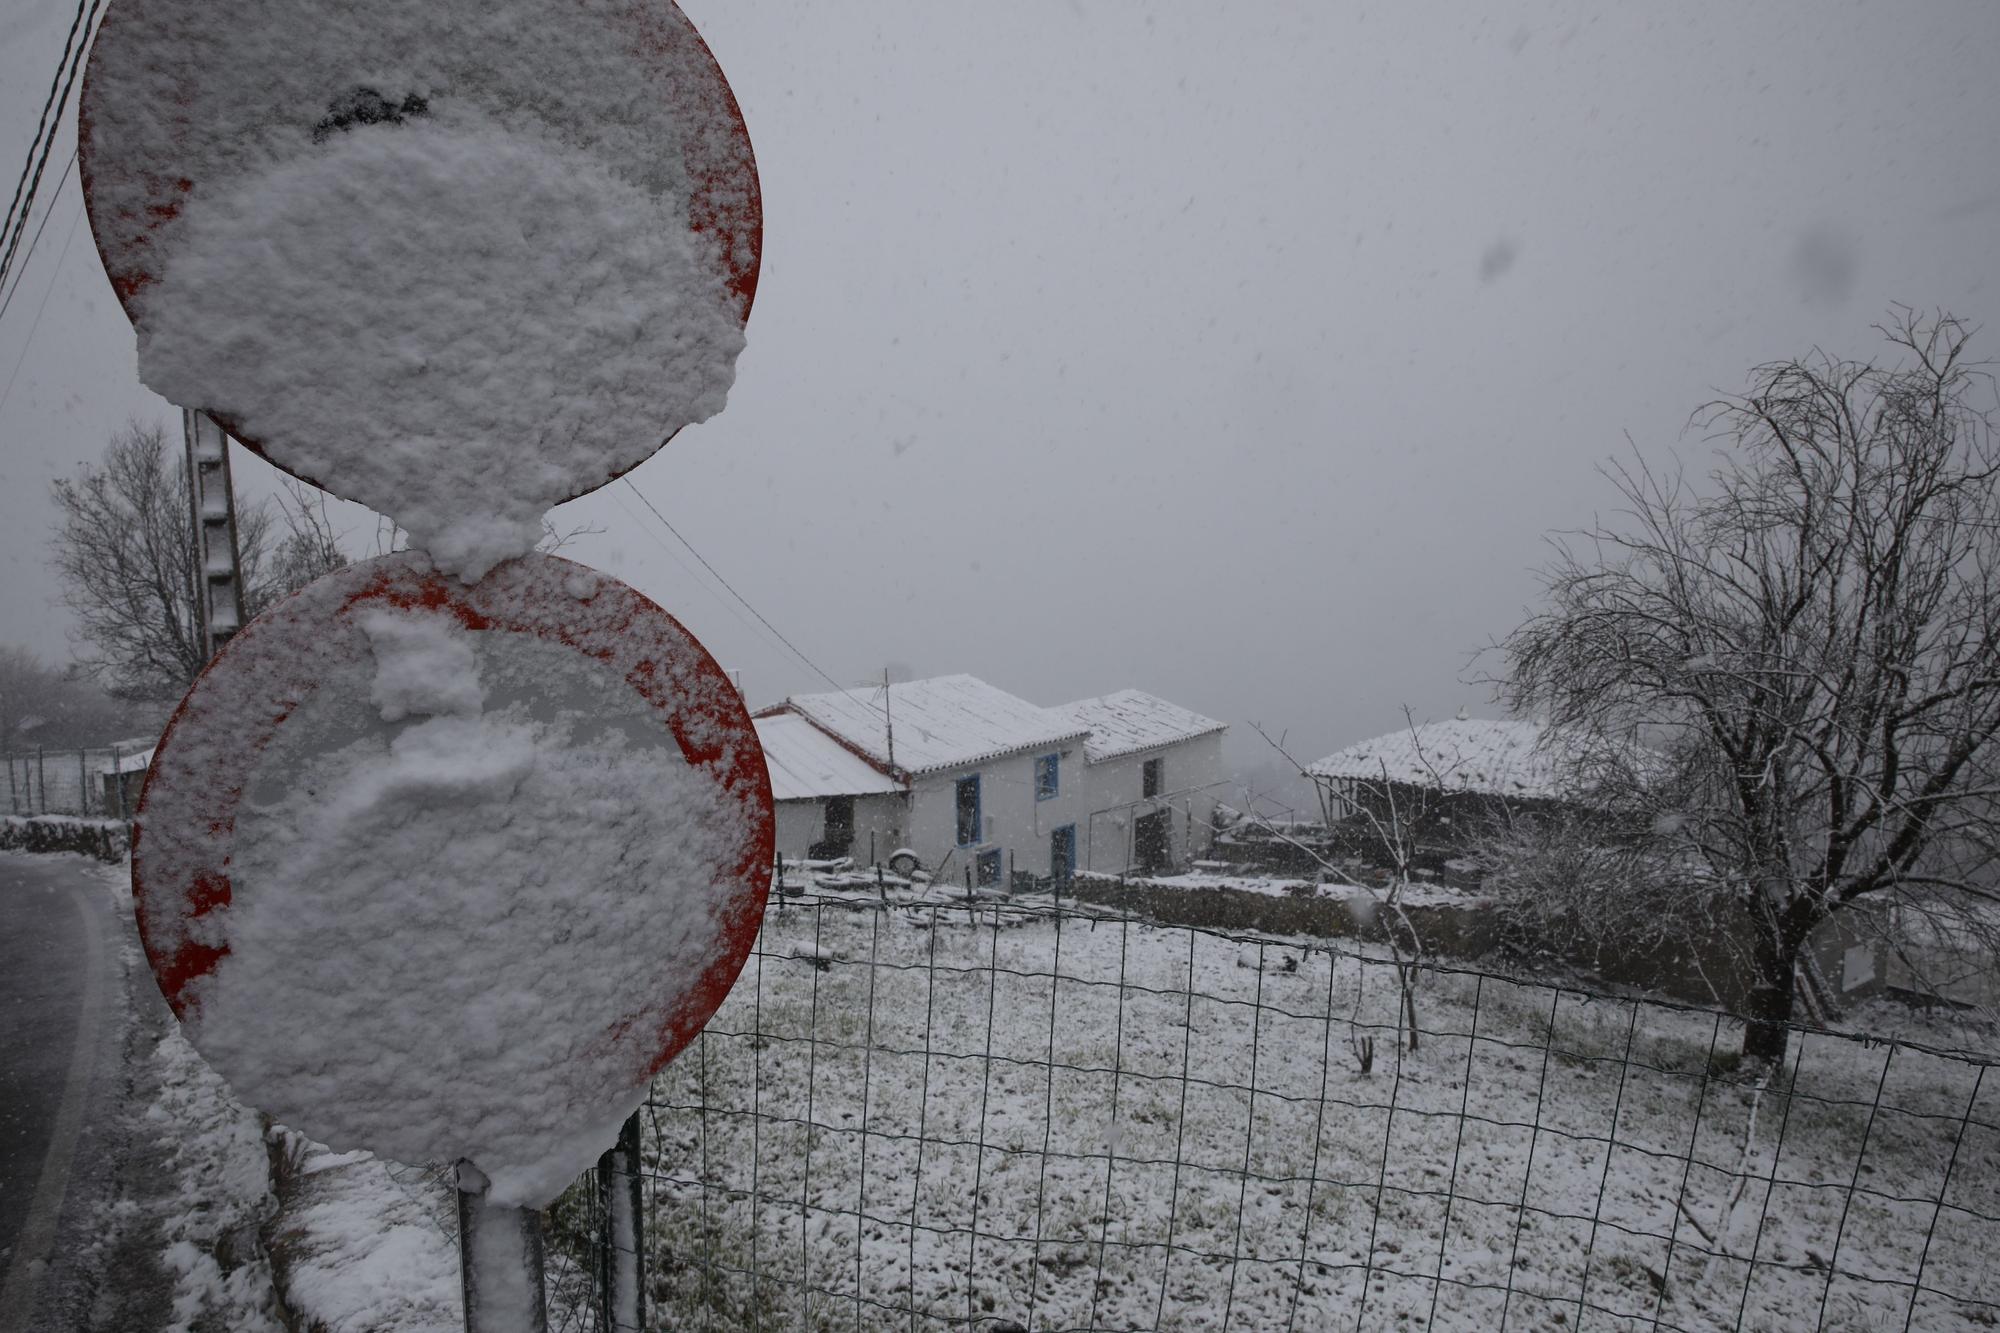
column 1242, row 353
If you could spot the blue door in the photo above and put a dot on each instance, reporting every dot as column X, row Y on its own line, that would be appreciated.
column 1062, row 853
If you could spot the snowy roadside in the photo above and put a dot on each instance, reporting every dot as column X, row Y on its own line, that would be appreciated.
column 186, row 1216
column 269, row 1230
column 217, row 1194
column 214, row 1227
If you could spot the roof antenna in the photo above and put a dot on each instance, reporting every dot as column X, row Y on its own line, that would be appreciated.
column 888, row 723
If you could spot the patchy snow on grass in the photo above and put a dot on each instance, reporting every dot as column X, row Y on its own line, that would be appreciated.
column 1100, row 1123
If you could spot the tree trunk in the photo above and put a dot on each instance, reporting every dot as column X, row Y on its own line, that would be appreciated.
column 1775, row 959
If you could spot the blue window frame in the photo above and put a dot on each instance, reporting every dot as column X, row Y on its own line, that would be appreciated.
column 987, row 872
column 966, row 800
column 1048, row 776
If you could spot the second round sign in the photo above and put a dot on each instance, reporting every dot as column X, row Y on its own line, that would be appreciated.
column 447, row 873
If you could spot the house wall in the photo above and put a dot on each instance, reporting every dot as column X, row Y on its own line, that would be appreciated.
column 803, row 823
column 1101, row 800
column 1012, row 820
column 1112, row 803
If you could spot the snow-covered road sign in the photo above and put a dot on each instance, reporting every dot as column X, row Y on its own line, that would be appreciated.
column 449, row 872
column 458, row 261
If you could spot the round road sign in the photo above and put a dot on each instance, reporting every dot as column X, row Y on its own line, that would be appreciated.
column 458, row 260
column 449, row 872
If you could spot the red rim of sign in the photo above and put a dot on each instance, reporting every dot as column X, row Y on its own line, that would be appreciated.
column 726, row 199
column 181, row 866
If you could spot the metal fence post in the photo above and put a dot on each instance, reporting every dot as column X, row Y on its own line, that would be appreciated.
column 621, row 1247
column 82, row 784
column 42, row 775
column 500, row 1261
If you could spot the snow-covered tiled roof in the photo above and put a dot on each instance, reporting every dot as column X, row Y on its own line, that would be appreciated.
column 806, row 764
column 1496, row 758
column 942, row 722
column 1128, row 721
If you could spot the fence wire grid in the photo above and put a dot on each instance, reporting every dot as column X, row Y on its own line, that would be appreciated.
column 1017, row 1114
column 67, row 782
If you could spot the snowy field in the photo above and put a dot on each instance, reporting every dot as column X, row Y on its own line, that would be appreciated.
column 1105, row 1124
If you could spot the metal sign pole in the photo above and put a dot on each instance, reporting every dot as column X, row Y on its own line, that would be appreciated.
column 622, row 1233
column 500, row 1261
column 218, row 562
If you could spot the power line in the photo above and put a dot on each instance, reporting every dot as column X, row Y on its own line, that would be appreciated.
column 74, row 66
column 36, row 240
column 42, row 125
column 717, row 575
column 757, row 631
column 54, row 278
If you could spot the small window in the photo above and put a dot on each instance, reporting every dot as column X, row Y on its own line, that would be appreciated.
column 968, row 810
column 1048, row 776
column 1151, row 780
column 987, row 869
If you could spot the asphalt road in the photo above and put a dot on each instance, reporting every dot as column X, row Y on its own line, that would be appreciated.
column 59, row 1018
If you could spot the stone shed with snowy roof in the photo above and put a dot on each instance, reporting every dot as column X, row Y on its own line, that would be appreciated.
column 975, row 780
column 1448, row 777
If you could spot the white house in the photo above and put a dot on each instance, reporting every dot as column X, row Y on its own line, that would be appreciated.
column 974, row 779
column 825, row 792
column 1152, row 774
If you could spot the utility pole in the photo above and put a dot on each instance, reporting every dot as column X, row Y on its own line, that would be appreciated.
column 218, row 559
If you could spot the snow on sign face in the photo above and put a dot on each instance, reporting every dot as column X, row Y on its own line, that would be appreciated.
column 449, row 873
column 459, row 260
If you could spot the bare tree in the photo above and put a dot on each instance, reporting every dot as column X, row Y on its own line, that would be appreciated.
column 310, row 546
column 1812, row 637
column 124, row 548
column 1395, row 837
column 1576, row 888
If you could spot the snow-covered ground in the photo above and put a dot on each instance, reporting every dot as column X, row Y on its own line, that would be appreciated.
column 1156, row 1153
column 925, row 1135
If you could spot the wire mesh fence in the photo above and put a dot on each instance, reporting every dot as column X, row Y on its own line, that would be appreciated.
column 100, row 782
column 1018, row 1115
